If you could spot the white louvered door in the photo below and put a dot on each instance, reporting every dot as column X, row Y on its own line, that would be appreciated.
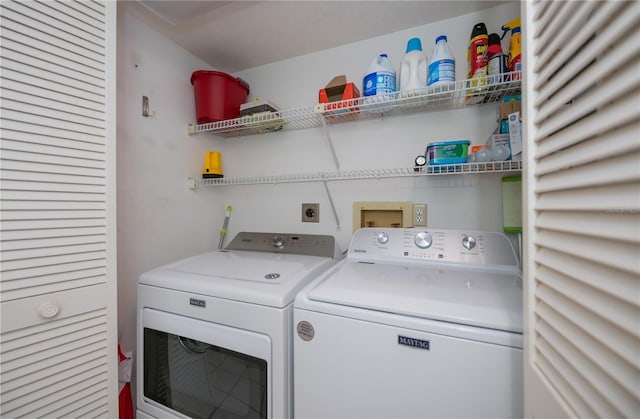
column 58, row 338
column 582, row 172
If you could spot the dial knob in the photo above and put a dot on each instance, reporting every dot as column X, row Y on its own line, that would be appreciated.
column 468, row 242
column 423, row 240
column 277, row 241
column 383, row 238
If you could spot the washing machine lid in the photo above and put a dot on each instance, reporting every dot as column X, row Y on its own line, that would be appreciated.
column 457, row 295
column 271, row 279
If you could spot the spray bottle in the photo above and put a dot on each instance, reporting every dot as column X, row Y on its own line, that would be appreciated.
column 514, row 62
column 478, row 63
column 497, row 60
column 477, row 55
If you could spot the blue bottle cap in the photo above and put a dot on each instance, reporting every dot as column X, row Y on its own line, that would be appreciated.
column 414, row 44
column 383, row 55
column 441, row 38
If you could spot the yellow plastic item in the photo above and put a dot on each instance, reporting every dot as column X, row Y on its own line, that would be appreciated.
column 514, row 60
column 212, row 165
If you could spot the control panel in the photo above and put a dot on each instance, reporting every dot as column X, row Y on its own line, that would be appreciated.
column 296, row 244
column 453, row 246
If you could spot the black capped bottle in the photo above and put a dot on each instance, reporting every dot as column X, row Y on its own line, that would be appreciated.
column 477, row 54
column 497, row 60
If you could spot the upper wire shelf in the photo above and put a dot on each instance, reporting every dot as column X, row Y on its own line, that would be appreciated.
column 355, row 174
column 460, row 94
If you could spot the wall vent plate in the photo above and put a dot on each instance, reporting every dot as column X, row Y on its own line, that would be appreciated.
column 393, row 214
column 310, row 213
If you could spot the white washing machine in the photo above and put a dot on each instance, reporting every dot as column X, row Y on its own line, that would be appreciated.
column 412, row 324
column 214, row 333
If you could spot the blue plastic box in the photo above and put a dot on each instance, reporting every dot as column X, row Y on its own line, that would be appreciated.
column 448, row 152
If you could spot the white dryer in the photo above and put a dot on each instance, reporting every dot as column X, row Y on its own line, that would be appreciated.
column 214, row 333
column 412, row 324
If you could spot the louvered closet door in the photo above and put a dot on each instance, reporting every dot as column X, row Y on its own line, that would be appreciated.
column 582, row 98
column 58, row 339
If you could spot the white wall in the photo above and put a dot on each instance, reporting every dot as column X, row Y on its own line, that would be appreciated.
column 472, row 202
column 160, row 220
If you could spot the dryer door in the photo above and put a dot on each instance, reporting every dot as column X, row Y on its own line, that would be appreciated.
column 198, row 369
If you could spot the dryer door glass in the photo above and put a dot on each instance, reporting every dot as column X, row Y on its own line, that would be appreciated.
column 202, row 380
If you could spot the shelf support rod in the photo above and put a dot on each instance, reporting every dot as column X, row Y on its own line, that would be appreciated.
column 333, row 207
column 327, row 134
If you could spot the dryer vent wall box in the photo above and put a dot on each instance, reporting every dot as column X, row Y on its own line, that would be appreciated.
column 382, row 214
column 437, row 317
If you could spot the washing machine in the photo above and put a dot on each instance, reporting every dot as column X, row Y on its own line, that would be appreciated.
column 214, row 332
column 412, row 324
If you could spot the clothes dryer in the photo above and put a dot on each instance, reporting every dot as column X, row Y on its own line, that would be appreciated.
column 214, row 333
column 412, row 324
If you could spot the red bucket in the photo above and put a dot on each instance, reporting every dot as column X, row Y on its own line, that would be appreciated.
column 218, row 95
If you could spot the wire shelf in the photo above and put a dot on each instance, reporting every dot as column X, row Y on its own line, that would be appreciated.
column 461, row 94
column 355, row 174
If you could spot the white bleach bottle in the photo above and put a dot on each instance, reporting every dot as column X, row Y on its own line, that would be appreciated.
column 442, row 68
column 380, row 77
column 379, row 84
column 413, row 68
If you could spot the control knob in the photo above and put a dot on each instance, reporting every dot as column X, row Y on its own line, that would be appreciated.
column 423, row 240
column 468, row 242
column 383, row 238
column 277, row 242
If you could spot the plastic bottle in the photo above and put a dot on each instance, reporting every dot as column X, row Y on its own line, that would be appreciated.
column 514, row 62
column 477, row 54
column 379, row 80
column 442, row 68
column 380, row 77
column 497, row 61
column 413, row 68
column 515, row 56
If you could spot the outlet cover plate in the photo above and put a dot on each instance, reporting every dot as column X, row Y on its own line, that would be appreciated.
column 310, row 212
column 419, row 215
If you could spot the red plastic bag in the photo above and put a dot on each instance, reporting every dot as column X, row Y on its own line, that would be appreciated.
column 124, row 376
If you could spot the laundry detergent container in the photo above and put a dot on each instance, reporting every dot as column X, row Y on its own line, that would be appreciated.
column 218, row 95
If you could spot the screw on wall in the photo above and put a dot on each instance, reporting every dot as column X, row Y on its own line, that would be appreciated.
column 310, row 213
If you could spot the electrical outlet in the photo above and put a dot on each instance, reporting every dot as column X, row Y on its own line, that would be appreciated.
column 419, row 217
column 310, row 213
